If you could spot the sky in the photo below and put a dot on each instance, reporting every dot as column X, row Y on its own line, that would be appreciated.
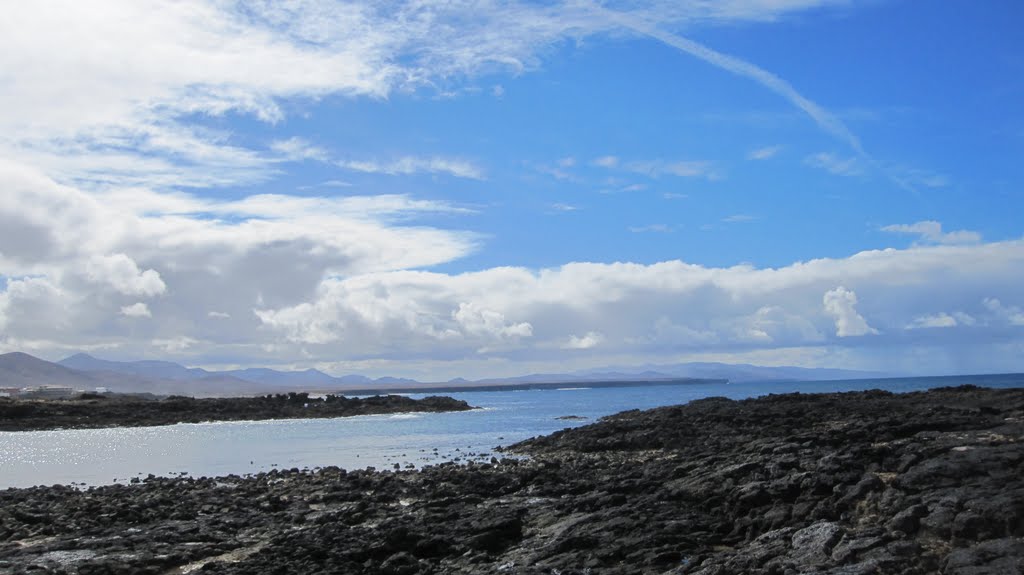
column 481, row 189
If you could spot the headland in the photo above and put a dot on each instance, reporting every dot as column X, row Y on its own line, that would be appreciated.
column 115, row 410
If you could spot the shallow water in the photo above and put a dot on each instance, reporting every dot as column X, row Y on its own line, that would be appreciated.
column 101, row 456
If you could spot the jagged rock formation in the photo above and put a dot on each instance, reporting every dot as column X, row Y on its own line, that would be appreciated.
column 841, row 483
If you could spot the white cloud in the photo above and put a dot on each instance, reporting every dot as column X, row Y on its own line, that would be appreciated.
column 772, row 323
column 103, row 94
column 298, row 149
column 646, row 308
column 139, row 309
column 841, row 304
column 265, row 280
column 651, row 27
column 931, row 232
column 850, row 166
column 34, row 307
column 1010, row 314
column 476, row 320
column 175, row 345
column 124, row 275
column 408, row 165
column 589, row 340
column 938, row 320
column 99, row 139
column 764, row 153
column 78, row 250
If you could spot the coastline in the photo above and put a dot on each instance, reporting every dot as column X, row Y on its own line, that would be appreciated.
column 861, row 482
column 534, row 385
column 96, row 412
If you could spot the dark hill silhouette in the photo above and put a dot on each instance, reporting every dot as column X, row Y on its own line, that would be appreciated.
column 83, row 371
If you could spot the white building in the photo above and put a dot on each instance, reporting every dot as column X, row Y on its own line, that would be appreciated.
column 48, row 392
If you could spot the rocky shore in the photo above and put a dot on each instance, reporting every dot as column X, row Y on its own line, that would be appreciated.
column 853, row 483
column 92, row 410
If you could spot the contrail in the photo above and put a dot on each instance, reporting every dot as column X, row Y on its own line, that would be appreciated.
column 822, row 117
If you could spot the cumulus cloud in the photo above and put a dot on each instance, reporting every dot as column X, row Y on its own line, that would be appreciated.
column 1008, row 313
column 103, row 164
column 931, row 232
column 656, row 308
column 841, row 304
column 139, row 309
column 486, row 322
column 589, row 340
column 264, row 280
column 70, row 253
column 35, row 308
column 770, row 324
column 124, row 275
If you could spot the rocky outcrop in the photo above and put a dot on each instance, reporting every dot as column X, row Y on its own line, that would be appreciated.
column 93, row 410
column 833, row 484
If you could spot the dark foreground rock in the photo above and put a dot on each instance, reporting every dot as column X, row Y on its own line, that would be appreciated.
column 91, row 410
column 855, row 483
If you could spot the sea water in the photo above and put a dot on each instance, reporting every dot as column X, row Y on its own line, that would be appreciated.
column 103, row 456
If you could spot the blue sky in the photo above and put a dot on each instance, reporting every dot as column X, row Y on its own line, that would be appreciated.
column 498, row 188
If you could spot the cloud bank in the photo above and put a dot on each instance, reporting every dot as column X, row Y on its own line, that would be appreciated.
column 268, row 279
column 109, row 242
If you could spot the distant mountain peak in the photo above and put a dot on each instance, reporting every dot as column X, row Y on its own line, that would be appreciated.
column 19, row 355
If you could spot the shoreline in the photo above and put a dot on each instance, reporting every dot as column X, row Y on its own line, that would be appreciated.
column 538, row 385
column 856, row 482
column 119, row 411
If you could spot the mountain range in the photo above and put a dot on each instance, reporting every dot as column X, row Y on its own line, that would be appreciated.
column 83, row 371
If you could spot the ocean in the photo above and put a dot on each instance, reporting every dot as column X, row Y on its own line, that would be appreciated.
column 117, row 455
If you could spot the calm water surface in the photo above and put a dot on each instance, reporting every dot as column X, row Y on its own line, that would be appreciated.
column 101, row 456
